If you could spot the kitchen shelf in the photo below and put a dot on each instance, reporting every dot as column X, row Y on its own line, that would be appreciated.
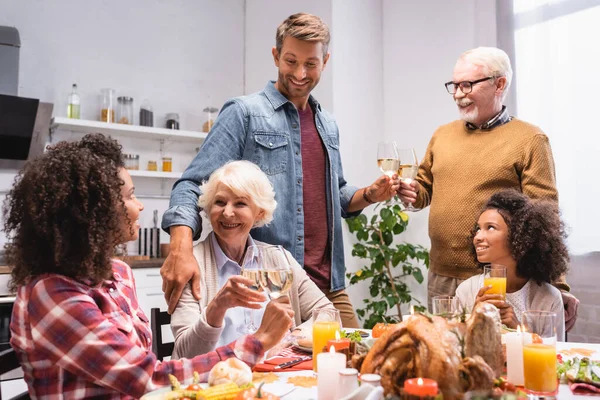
column 154, row 174
column 135, row 131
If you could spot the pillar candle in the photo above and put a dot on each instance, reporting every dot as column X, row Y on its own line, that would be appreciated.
column 514, row 357
column 330, row 365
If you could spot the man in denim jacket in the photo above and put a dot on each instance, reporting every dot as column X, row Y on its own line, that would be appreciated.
column 283, row 130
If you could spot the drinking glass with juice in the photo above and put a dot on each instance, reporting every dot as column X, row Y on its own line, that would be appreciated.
column 494, row 275
column 539, row 353
column 326, row 322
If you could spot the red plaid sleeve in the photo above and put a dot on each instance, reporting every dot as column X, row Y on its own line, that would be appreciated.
column 94, row 343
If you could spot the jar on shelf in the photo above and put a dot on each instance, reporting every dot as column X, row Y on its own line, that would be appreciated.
column 152, row 165
column 167, row 164
column 132, row 161
column 172, row 121
column 108, row 105
column 125, row 114
column 211, row 114
column 146, row 114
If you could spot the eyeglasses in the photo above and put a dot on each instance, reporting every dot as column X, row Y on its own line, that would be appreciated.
column 465, row 86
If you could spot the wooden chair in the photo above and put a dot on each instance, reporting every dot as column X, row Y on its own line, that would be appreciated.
column 157, row 319
column 10, row 362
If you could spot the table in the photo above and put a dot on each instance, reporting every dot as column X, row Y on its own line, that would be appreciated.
column 563, row 392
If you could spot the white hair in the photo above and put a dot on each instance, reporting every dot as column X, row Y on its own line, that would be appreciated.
column 245, row 179
column 494, row 61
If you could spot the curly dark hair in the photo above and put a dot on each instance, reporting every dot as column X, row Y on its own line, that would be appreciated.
column 536, row 235
column 63, row 214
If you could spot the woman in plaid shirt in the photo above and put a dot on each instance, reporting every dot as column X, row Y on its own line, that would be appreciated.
column 76, row 325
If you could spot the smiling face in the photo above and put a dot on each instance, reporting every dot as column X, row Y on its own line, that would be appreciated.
column 485, row 99
column 491, row 239
column 232, row 216
column 300, row 65
column 129, row 226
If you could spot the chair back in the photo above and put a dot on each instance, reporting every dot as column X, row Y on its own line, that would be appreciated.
column 10, row 362
column 157, row 320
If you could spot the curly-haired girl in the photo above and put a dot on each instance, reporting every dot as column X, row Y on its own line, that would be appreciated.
column 528, row 237
column 76, row 326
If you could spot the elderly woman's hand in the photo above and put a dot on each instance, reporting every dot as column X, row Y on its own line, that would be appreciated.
column 235, row 293
column 276, row 322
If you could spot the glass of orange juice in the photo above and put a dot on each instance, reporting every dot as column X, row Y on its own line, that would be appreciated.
column 326, row 322
column 539, row 353
column 494, row 275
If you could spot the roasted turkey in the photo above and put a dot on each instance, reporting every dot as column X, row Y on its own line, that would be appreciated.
column 459, row 356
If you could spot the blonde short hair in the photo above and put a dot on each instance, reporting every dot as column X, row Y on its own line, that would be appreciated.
column 303, row 26
column 494, row 61
column 245, row 179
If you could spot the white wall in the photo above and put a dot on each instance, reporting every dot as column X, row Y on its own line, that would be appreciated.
column 421, row 42
column 181, row 55
column 358, row 102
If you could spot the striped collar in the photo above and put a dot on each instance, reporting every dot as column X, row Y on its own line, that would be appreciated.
column 500, row 119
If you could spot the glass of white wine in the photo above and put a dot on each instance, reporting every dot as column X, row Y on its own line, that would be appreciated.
column 251, row 269
column 408, row 169
column 387, row 158
column 276, row 275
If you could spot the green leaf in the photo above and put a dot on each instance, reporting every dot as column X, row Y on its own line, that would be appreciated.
column 385, row 213
column 418, row 275
column 363, row 219
column 388, row 238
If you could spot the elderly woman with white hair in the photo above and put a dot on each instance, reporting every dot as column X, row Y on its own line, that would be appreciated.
column 236, row 198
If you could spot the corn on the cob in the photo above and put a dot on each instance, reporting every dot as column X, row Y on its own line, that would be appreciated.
column 175, row 385
column 227, row 391
column 180, row 394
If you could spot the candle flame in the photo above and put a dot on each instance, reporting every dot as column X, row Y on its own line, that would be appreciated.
column 337, row 335
column 519, row 328
column 332, row 350
column 420, row 382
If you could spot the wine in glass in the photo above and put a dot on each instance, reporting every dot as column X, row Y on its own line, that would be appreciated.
column 251, row 269
column 408, row 169
column 387, row 158
column 276, row 275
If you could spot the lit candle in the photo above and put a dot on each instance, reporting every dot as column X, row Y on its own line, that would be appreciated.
column 338, row 343
column 514, row 357
column 421, row 387
column 330, row 365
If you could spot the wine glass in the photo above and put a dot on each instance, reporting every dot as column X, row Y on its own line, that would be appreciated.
column 251, row 269
column 276, row 275
column 408, row 169
column 387, row 158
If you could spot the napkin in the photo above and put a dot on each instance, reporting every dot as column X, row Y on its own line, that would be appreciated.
column 270, row 364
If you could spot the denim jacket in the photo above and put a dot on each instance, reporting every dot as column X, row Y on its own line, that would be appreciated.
column 264, row 128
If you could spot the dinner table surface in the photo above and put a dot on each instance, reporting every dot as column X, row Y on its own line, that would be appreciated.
column 564, row 392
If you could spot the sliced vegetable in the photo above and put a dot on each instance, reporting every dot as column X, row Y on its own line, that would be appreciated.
column 227, row 391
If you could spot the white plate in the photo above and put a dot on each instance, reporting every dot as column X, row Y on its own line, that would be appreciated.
column 304, row 348
column 278, row 388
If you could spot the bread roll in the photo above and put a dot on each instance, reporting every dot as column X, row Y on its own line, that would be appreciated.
column 230, row 370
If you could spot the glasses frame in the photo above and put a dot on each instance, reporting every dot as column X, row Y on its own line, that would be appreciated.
column 452, row 87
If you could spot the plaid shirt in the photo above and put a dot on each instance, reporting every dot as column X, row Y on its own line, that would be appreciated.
column 499, row 119
column 78, row 341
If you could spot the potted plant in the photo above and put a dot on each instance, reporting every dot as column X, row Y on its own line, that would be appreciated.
column 390, row 264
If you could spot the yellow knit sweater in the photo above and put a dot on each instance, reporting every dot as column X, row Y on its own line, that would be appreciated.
column 463, row 168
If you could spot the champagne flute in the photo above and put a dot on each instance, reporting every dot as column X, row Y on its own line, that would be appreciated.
column 408, row 169
column 251, row 269
column 387, row 158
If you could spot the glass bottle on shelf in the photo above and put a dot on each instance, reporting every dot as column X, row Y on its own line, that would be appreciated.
column 108, row 105
column 73, row 107
column 125, row 115
column 167, row 164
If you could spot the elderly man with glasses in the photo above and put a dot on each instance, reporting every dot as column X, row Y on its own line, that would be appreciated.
column 469, row 160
